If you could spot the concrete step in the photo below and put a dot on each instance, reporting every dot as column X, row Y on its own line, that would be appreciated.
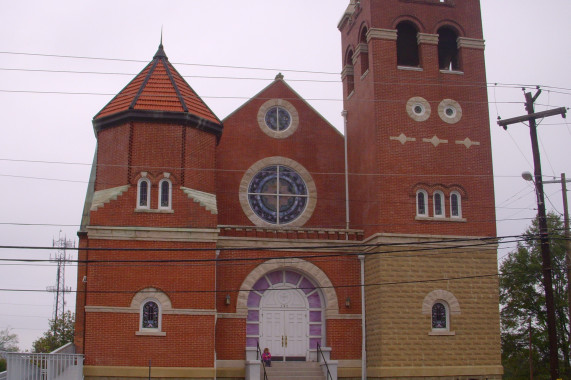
column 294, row 371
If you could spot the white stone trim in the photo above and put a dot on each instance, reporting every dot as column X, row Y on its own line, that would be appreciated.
column 206, row 200
column 105, row 196
column 277, row 160
column 153, row 234
column 440, row 294
column 418, row 101
column 287, row 106
column 381, row 34
column 302, row 266
column 467, row 142
column 435, row 141
column 402, row 138
column 457, row 111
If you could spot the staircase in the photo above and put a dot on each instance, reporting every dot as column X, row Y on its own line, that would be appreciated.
column 294, row 371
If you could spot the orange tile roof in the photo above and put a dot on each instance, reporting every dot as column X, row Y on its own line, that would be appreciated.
column 158, row 87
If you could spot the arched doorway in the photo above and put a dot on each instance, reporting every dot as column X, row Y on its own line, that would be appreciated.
column 285, row 314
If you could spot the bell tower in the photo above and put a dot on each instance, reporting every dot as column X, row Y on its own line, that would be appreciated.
column 421, row 185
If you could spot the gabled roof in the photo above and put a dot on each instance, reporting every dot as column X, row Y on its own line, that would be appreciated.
column 158, row 92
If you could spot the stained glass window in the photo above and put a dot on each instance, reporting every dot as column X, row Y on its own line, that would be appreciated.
column 454, row 205
column 278, row 118
column 421, row 203
column 277, row 194
column 439, row 316
column 165, row 194
column 150, row 315
column 143, row 193
column 438, row 204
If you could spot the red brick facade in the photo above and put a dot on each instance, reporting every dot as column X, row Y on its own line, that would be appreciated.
column 184, row 267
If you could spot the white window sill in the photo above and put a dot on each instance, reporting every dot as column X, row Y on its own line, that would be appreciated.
column 410, row 68
column 441, row 333
column 350, row 95
column 159, row 211
column 151, row 333
column 440, row 219
column 454, row 72
column 364, row 74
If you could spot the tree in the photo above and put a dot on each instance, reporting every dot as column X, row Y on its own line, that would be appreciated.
column 8, row 342
column 522, row 302
column 59, row 334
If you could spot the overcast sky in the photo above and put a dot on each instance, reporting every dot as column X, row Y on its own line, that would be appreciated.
column 46, row 135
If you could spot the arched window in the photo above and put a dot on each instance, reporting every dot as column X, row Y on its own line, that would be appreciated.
column 150, row 316
column 438, row 203
column 421, row 203
column 143, row 193
column 440, row 316
column 348, row 74
column 455, row 205
column 364, row 51
column 165, row 192
column 407, row 45
column 448, row 49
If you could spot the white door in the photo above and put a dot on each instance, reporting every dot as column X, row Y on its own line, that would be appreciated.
column 285, row 325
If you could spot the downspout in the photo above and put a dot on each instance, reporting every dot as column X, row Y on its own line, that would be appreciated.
column 216, row 308
column 363, row 325
column 344, row 114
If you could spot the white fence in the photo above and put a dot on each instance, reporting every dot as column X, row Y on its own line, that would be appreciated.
column 54, row 366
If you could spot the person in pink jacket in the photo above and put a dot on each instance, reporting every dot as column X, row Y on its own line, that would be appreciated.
column 267, row 357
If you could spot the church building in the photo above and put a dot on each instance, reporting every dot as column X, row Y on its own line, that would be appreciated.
column 204, row 240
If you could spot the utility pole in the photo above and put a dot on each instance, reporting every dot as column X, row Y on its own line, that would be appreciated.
column 542, row 219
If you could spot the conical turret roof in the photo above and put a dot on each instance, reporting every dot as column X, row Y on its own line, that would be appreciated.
column 158, row 92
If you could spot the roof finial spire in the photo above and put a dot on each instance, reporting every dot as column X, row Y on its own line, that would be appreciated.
column 160, row 52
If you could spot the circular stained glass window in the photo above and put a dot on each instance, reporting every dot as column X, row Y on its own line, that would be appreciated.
column 278, row 118
column 277, row 194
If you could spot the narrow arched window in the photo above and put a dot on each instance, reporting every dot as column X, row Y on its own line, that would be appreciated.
column 421, row 198
column 438, row 203
column 407, row 45
column 448, row 49
column 165, row 194
column 455, row 205
column 143, row 193
column 439, row 316
column 150, row 315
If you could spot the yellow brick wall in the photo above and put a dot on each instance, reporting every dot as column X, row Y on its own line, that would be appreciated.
column 398, row 331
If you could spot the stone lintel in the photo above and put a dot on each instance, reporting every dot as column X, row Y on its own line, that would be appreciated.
column 437, row 241
column 381, row 34
column 425, row 38
column 470, row 43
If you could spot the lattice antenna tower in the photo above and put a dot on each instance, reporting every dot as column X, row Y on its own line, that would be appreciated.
column 61, row 257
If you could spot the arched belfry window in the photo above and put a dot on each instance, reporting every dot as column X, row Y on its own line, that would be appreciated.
column 347, row 74
column 448, row 49
column 364, row 50
column 165, row 194
column 407, row 45
column 143, row 193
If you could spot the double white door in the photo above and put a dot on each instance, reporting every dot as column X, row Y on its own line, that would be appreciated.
column 285, row 332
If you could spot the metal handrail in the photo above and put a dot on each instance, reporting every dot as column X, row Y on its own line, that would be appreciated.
column 320, row 351
column 259, row 357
